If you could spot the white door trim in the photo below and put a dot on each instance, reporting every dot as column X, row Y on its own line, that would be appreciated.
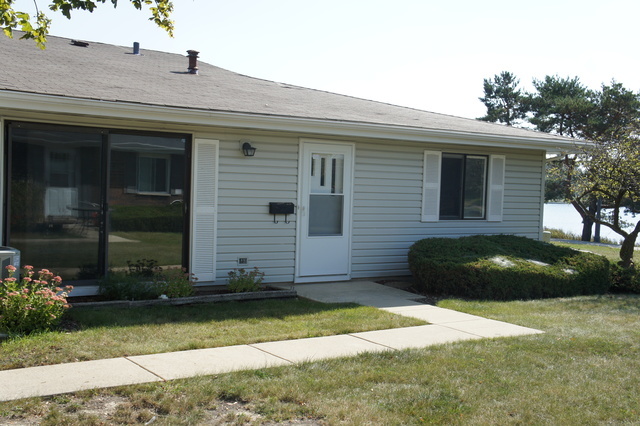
column 302, row 210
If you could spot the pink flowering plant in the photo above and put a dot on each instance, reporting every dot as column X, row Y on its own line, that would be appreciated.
column 31, row 304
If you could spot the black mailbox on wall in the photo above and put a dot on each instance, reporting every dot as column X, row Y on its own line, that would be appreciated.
column 280, row 208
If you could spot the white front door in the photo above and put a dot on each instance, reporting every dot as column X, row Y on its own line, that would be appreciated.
column 324, row 213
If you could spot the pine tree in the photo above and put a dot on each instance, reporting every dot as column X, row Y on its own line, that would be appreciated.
column 503, row 99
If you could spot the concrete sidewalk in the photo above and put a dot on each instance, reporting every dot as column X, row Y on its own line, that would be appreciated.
column 444, row 326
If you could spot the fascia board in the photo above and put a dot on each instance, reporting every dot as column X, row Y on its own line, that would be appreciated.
column 120, row 110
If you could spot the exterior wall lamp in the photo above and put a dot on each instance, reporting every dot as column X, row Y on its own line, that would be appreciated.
column 248, row 150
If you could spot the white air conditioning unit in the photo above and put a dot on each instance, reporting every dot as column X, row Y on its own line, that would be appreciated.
column 9, row 256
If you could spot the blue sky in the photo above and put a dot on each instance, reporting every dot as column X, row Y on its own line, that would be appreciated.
column 431, row 55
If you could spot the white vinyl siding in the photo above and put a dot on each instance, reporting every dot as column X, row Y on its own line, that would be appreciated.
column 204, row 208
column 388, row 206
column 389, row 209
column 245, row 227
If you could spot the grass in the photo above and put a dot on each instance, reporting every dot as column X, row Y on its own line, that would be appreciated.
column 116, row 332
column 611, row 253
column 583, row 370
column 165, row 246
column 565, row 235
column 70, row 255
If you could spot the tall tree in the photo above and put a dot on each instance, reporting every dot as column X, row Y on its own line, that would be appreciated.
column 607, row 117
column 503, row 99
column 37, row 27
column 612, row 173
column 616, row 112
column 561, row 105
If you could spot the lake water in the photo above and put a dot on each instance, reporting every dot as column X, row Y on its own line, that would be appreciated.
column 565, row 217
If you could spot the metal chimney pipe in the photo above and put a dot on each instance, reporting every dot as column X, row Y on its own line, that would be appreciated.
column 193, row 61
column 136, row 48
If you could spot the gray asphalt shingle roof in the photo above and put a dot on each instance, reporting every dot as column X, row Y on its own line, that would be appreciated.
column 112, row 73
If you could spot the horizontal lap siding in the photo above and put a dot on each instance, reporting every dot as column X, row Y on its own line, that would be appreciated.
column 387, row 205
column 245, row 227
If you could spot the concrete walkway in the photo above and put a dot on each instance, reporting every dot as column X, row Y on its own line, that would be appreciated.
column 444, row 326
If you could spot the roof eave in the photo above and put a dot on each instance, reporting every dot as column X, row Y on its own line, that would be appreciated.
column 124, row 110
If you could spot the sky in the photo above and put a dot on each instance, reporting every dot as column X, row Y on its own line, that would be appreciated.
column 425, row 54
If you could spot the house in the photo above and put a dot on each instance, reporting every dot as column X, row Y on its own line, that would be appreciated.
column 112, row 155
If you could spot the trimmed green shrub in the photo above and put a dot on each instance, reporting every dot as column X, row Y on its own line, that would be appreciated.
column 147, row 218
column 505, row 267
column 122, row 286
column 624, row 280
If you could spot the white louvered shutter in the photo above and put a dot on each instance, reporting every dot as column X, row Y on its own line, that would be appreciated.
column 431, row 186
column 496, row 188
column 204, row 209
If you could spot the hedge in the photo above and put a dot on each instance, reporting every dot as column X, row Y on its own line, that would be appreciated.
column 147, row 218
column 505, row 267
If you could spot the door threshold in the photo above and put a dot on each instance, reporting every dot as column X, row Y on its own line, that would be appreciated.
column 321, row 279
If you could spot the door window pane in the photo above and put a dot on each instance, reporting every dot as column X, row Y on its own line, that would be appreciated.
column 55, row 193
column 326, row 199
column 325, row 215
column 146, row 192
column 327, row 173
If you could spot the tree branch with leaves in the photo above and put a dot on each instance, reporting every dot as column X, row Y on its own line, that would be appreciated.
column 37, row 28
column 611, row 171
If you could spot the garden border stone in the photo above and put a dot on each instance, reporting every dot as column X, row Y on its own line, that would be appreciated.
column 212, row 298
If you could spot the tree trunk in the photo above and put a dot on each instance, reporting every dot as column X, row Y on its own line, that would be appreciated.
column 587, row 222
column 626, row 250
column 587, row 226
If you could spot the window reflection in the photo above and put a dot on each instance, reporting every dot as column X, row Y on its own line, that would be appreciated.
column 58, row 195
column 146, row 199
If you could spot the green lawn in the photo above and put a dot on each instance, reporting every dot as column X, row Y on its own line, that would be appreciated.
column 66, row 254
column 611, row 253
column 165, row 247
column 583, row 370
column 116, row 332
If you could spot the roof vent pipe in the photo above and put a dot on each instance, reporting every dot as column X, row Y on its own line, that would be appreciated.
column 193, row 61
column 136, row 48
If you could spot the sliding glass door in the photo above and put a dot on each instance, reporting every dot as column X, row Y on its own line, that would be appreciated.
column 82, row 200
column 146, row 200
column 55, row 199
